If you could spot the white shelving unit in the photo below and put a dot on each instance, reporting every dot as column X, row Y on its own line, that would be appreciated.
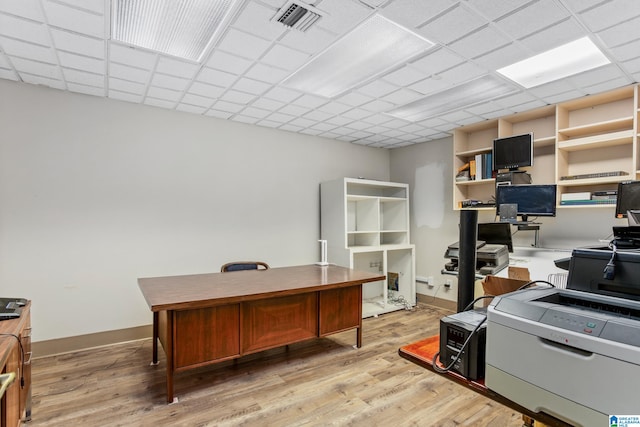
column 366, row 225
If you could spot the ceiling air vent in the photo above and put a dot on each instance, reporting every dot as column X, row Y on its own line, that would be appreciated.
column 298, row 16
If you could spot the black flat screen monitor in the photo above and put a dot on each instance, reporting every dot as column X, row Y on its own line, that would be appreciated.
column 513, row 152
column 628, row 200
column 497, row 233
column 531, row 199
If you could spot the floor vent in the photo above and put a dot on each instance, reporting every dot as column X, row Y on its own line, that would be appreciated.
column 298, row 16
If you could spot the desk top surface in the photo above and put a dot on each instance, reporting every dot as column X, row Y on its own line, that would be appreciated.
column 201, row 290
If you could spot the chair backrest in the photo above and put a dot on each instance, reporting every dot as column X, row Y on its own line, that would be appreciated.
column 244, row 265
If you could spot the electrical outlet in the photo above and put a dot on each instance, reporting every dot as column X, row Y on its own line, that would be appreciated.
column 430, row 283
column 447, row 284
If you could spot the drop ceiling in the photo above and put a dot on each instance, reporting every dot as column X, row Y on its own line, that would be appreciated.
column 67, row 45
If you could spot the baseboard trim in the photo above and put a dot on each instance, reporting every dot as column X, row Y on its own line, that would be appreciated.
column 437, row 302
column 83, row 342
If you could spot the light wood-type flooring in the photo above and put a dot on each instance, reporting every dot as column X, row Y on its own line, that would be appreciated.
column 322, row 382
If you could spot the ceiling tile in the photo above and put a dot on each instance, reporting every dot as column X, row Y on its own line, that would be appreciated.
column 131, row 56
column 205, row 90
column 411, row 13
column 123, row 96
column 23, row 29
column 176, row 67
column 237, row 97
column 621, row 33
column 563, row 32
column 493, row 10
column 62, row 16
column 294, row 110
column 256, row 112
column 126, row 86
column 36, row 68
column 578, row 5
column 266, row 73
column 334, row 108
column 437, row 61
column 215, row 77
column 377, row 106
column 163, row 93
column 87, row 90
column 228, row 62
column 405, row 76
column 343, row 14
column 501, row 57
column 80, row 62
column 169, row 82
column 610, row 13
column 187, row 108
column 378, row 88
column 310, row 101
column 285, row 57
column 431, row 85
column 129, row 73
column 452, row 25
column 218, row 114
column 83, row 78
column 162, row 103
column 402, row 96
column 27, row 50
column 532, row 18
column 317, row 115
column 25, row 8
column 281, row 118
column 42, row 80
column 282, row 94
column 96, row 6
column 312, row 41
column 478, row 43
column 251, row 86
column 256, row 19
column 227, row 106
column 198, row 100
column 354, row 99
column 243, row 44
column 77, row 43
column 268, row 104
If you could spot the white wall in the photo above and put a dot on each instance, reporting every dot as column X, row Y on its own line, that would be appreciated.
column 427, row 168
column 96, row 193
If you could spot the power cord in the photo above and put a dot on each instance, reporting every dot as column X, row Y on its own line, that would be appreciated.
column 610, row 269
column 21, row 356
column 533, row 282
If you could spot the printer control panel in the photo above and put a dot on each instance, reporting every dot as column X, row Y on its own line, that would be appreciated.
column 587, row 325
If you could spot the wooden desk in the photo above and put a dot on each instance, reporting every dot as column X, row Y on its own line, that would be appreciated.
column 422, row 352
column 15, row 357
column 207, row 318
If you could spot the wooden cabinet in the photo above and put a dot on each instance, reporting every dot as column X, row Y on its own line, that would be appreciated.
column 16, row 357
column 366, row 225
column 597, row 134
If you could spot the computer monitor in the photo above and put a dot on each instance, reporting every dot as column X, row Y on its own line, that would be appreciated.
column 531, row 199
column 497, row 233
column 628, row 201
column 513, row 152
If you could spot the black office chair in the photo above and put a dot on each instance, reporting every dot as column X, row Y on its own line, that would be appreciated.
column 244, row 265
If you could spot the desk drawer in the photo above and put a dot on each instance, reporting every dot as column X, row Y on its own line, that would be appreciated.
column 274, row 322
column 206, row 334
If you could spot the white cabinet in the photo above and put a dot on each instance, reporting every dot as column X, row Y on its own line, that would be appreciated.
column 366, row 226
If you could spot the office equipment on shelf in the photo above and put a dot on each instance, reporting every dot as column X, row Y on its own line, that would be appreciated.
column 628, row 202
column 589, row 332
column 532, row 200
column 513, row 152
column 454, row 331
column 593, row 175
column 497, row 233
column 11, row 308
column 513, row 178
column 490, row 258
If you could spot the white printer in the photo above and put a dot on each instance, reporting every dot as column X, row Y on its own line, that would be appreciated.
column 572, row 353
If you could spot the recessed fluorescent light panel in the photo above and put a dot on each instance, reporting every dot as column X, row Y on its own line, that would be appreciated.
column 562, row 61
column 375, row 46
column 482, row 89
column 182, row 28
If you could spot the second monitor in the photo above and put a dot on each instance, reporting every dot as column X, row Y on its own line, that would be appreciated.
column 531, row 200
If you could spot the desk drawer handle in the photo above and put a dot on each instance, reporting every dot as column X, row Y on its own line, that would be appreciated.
column 29, row 357
column 26, row 334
